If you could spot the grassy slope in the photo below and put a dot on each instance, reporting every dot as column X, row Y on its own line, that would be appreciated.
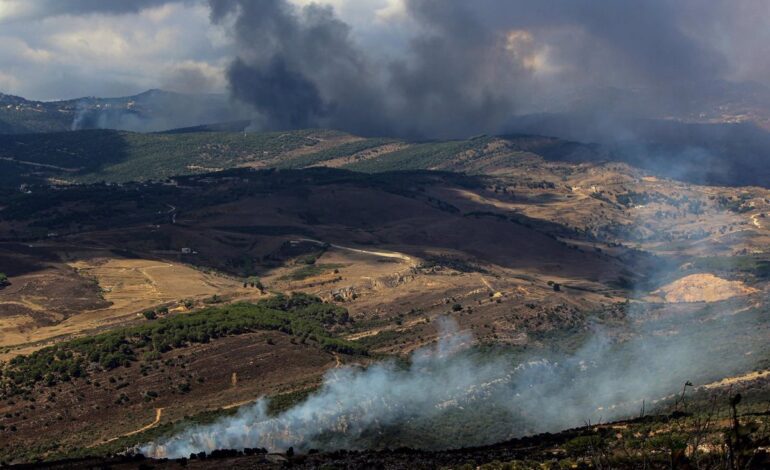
column 300, row 315
column 42, row 120
column 419, row 156
column 105, row 155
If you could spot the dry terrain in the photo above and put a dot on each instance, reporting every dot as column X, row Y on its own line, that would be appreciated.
column 525, row 254
column 109, row 405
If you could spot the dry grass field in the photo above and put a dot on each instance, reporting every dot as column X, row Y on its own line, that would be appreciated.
column 120, row 291
column 529, row 258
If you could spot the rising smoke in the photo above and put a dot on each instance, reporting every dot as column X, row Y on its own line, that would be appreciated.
column 466, row 68
column 302, row 67
column 451, row 395
column 156, row 110
column 452, row 68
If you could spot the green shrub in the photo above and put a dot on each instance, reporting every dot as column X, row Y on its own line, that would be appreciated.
column 299, row 315
column 582, row 445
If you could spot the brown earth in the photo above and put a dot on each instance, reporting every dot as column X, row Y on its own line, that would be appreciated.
column 90, row 412
column 116, row 290
column 703, row 288
column 539, row 248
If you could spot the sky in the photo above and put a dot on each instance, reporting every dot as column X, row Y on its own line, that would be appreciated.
column 63, row 49
column 419, row 67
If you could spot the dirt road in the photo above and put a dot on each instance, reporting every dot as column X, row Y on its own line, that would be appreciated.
column 158, row 415
column 382, row 254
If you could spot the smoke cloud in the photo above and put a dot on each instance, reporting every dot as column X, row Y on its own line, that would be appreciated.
column 412, row 68
column 462, row 68
column 156, row 110
column 452, row 396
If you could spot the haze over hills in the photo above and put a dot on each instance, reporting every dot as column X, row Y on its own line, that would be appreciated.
column 731, row 149
column 127, row 296
column 152, row 110
column 112, row 290
column 385, row 234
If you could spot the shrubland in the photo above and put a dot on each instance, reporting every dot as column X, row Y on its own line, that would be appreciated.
column 298, row 315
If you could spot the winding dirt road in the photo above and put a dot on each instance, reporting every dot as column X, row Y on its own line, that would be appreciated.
column 158, row 415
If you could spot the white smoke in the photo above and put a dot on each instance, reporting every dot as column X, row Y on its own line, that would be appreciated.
column 450, row 388
column 350, row 403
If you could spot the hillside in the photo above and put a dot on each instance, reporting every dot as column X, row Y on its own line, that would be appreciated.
column 153, row 110
column 117, row 156
column 113, row 156
column 527, row 259
column 540, row 261
column 730, row 148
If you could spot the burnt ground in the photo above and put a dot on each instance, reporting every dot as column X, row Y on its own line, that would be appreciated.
column 610, row 445
column 493, row 248
column 85, row 413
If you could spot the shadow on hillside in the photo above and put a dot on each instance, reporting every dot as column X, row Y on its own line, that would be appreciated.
column 64, row 155
column 732, row 154
column 237, row 221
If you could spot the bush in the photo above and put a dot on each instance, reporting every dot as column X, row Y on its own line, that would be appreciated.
column 299, row 315
column 582, row 445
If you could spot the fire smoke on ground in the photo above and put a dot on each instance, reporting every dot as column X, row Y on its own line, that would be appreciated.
column 449, row 388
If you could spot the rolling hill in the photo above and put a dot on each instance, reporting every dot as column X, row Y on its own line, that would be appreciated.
column 147, row 278
column 152, row 110
column 89, row 156
column 116, row 156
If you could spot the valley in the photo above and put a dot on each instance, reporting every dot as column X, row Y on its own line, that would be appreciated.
column 528, row 255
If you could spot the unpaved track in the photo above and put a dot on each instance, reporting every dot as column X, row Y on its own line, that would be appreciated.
column 40, row 165
column 382, row 254
column 724, row 383
column 158, row 415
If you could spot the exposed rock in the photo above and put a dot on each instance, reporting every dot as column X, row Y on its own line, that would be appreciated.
column 702, row 288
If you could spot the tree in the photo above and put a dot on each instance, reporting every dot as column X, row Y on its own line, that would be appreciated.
column 3, row 279
column 254, row 282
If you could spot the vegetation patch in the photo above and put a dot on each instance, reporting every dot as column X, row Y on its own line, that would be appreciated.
column 311, row 270
column 760, row 268
column 276, row 404
column 420, row 156
column 344, row 150
column 299, row 315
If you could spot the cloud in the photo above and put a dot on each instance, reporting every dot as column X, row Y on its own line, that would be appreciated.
column 111, row 55
column 14, row 10
column 193, row 77
column 446, row 68
column 414, row 68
